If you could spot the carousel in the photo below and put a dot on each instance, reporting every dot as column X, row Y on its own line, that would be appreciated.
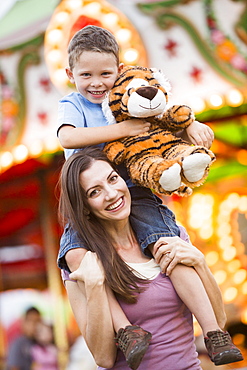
column 201, row 46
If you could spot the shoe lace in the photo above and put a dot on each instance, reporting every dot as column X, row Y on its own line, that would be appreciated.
column 123, row 341
column 220, row 339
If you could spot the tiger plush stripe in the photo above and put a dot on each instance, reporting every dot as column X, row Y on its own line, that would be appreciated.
column 157, row 159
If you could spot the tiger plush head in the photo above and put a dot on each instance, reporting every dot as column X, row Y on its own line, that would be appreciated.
column 138, row 92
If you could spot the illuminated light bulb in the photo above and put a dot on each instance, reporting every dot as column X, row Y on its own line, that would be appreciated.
column 233, row 266
column 209, row 200
column 224, row 211
column 93, row 9
column 215, row 101
column 61, row 18
column 54, row 56
column 220, row 276
column 242, row 156
column 212, row 257
column 196, row 221
column 123, row 35
column 244, row 317
column 110, row 19
column 60, row 76
column 54, row 37
column 6, row 159
column 224, row 229
column 243, row 204
column 36, row 148
column 73, row 4
column 50, row 144
column 232, row 200
column 230, row 294
column 225, row 242
column 234, row 98
column 197, row 104
column 130, row 55
column 197, row 328
column 229, row 253
column 239, row 276
column 206, row 232
column 244, row 288
column 238, row 339
column 20, row 153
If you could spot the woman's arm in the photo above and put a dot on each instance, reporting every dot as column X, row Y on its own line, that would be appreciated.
column 169, row 251
column 89, row 302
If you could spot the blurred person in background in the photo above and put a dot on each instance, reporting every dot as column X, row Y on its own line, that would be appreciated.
column 19, row 356
column 44, row 351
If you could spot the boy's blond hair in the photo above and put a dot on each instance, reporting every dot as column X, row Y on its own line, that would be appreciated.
column 92, row 38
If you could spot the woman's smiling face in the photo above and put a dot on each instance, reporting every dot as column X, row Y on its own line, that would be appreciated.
column 107, row 193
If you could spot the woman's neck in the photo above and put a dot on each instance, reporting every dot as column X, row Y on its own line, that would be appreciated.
column 126, row 244
column 121, row 233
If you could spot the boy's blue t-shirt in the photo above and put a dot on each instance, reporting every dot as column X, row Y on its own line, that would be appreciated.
column 77, row 111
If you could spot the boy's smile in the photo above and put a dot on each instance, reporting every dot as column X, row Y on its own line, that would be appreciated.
column 94, row 74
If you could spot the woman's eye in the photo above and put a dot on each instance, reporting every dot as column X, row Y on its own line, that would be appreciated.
column 93, row 193
column 114, row 178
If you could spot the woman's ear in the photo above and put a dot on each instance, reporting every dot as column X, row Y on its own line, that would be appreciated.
column 70, row 75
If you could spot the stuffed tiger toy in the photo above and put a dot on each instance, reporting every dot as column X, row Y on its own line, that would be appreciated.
column 157, row 159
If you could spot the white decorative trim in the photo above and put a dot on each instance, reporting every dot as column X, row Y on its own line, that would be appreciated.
column 107, row 111
column 162, row 79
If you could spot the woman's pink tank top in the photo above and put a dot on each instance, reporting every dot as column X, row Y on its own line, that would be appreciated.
column 160, row 311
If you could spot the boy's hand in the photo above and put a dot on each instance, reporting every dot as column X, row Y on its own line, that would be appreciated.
column 200, row 134
column 169, row 251
column 133, row 127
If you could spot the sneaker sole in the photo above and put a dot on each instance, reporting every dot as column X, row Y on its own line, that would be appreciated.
column 227, row 358
column 136, row 355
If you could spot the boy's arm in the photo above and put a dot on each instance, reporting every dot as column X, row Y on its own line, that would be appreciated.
column 198, row 133
column 71, row 137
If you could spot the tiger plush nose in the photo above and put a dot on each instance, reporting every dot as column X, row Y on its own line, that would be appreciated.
column 147, row 92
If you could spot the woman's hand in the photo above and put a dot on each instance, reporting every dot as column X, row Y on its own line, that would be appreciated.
column 90, row 271
column 169, row 251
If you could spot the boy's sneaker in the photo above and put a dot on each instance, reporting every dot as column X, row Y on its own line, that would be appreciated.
column 220, row 348
column 134, row 342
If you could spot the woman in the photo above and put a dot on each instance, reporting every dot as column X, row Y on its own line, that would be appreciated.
column 97, row 203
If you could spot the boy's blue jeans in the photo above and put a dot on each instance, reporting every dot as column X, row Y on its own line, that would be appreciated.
column 149, row 218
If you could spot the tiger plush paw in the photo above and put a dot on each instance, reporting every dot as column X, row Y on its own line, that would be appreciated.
column 195, row 165
column 170, row 179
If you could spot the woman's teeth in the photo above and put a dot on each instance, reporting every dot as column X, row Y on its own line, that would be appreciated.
column 115, row 205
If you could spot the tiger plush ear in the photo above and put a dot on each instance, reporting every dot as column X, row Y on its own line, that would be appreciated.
column 107, row 111
column 161, row 78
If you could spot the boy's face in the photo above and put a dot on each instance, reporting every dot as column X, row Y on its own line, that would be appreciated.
column 94, row 75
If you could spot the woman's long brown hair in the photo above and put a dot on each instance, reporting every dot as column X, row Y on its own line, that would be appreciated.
column 73, row 210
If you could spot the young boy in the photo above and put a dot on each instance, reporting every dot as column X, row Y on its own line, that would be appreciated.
column 93, row 68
